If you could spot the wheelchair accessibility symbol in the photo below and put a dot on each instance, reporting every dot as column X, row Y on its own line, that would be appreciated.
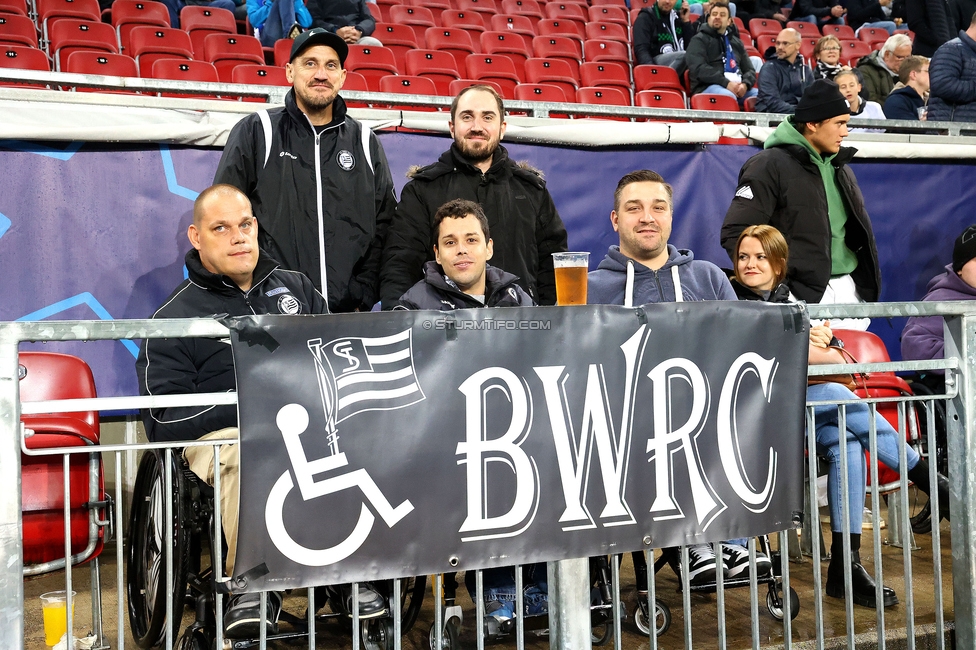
column 355, row 375
column 292, row 421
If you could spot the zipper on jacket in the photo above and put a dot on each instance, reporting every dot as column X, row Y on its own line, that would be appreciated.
column 321, row 217
column 657, row 281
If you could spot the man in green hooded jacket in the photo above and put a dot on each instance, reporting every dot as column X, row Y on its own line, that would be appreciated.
column 801, row 184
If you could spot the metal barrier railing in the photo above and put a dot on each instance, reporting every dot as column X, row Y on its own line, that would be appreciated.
column 606, row 605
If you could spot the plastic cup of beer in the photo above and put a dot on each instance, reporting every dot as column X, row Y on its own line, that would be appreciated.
column 571, row 269
column 55, row 610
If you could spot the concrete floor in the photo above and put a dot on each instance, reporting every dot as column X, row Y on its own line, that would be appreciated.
column 335, row 633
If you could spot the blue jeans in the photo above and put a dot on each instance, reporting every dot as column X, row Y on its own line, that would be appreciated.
column 499, row 586
column 828, row 446
column 887, row 25
column 716, row 89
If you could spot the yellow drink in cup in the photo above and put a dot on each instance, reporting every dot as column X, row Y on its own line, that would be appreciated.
column 571, row 269
column 54, row 608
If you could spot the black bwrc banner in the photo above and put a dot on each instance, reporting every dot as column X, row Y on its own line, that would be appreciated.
column 410, row 443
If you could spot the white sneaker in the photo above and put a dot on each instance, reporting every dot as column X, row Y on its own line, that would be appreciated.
column 701, row 564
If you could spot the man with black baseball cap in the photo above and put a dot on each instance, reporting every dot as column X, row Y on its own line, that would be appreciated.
column 318, row 180
column 801, row 184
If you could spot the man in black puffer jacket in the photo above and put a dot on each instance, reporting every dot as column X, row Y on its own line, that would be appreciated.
column 521, row 212
column 952, row 75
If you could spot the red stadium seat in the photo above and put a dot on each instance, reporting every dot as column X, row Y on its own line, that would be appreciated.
column 609, row 14
column 843, row 32
column 807, row 46
column 607, row 32
column 226, row 51
column 805, row 28
column 373, row 62
column 529, row 8
column 852, row 51
column 17, row 7
column 661, row 99
column 541, row 93
column 604, row 97
column 611, row 3
column 470, row 21
column 439, row 66
column 199, row 21
column 454, row 41
column 872, row 35
column 409, row 85
column 433, row 5
column 749, row 104
column 18, row 57
column 49, row 11
column 566, row 11
column 50, row 376
column 764, row 42
column 103, row 63
column 605, row 75
column 262, row 75
column 419, row 19
column 282, row 51
column 601, row 50
column 17, row 30
column 378, row 11
column 559, row 27
column 513, row 23
column 128, row 14
column 657, row 77
column 560, row 47
column 148, row 44
column 759, row 26
column 514, row 46
column 357, row 82
column 185, row 70
column 484, row 6
column 458, row 85
column 552, row 71
column 707, row 102
column 70, row 35
column 398, row 38
column 741, row 26
column 494, row 67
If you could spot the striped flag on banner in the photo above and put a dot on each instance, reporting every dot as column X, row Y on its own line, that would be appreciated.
column 368, row 374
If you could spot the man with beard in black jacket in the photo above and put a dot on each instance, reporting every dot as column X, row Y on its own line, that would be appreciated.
column 228, row 274
column 521, row 212
column 317, row 179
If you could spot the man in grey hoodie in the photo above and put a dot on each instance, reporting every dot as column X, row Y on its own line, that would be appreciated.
column 645, row 268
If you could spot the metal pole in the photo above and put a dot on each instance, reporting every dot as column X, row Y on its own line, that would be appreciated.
column 960, row 341
column 569, row 605
column 11, row 524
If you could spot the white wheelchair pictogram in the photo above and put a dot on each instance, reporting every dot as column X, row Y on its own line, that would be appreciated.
column 292, row 420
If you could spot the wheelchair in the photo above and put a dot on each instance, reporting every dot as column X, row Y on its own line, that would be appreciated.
column 191, row 516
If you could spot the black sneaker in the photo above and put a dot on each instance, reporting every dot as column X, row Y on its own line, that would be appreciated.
column 242, row 618
column 701, row 564
column 372, row 604
column 736, row 560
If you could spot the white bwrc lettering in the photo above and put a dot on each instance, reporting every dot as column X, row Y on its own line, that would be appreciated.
column 573, row 458
column 477, row 451
column 728, row 440
column 665, row 442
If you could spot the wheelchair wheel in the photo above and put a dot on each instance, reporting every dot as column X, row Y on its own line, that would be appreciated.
column 450, row 639
column 602, row 633
column 774, row 602
column 662, row 618
column 196, row 637
column 146, row 560
column 377, row 634
column 411, row 600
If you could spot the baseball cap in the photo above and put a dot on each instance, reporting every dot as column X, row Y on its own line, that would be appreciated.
column 320, row 36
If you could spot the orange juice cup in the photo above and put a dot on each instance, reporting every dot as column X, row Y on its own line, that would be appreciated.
column 54, row 607
column 571, row 269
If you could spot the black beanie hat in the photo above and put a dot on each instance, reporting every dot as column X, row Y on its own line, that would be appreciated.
column 964, row 249
column 821, row 101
